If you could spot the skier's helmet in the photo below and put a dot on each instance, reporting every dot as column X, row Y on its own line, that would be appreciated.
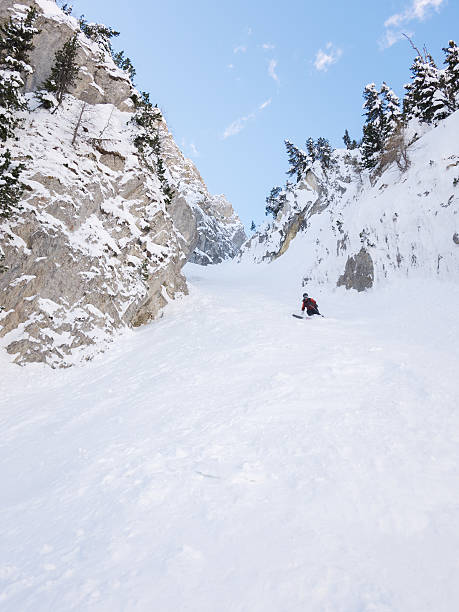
column 305, row 295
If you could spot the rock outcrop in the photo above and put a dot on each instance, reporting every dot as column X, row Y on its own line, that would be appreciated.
column 96, row 246
column 357, row 230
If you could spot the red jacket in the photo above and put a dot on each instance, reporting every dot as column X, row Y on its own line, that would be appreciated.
column 309, row 304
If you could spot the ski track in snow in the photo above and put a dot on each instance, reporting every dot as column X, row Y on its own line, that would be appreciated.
column 230, row 457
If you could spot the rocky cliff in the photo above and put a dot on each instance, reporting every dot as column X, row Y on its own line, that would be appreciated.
column 96, row 246
column 355, row 229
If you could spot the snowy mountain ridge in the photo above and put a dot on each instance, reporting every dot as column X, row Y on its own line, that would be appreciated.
column 96, row 246
column 357, row 229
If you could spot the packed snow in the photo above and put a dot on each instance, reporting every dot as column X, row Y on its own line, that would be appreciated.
column 231, row 457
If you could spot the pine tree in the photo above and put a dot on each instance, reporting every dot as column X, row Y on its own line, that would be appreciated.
column 311, row 148
column 350, row 144
column 347, row 140
column 391, row 110
column 324, row 152
column 99, row 33
column 374, row 130
column 275, row 201
column 63, row 76
column 253, row 227
column 425, row 97
column 15, row 44
column 298, row 160
column 125, row 64
column 452, row 75
column 11, row 188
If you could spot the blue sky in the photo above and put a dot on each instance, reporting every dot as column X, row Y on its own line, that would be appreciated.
column 234, row 78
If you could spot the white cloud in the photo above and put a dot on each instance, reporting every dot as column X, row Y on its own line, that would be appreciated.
column 237, row 126
column 419, row 10
column 194, row 150
column 230, row 66
column 268, row 46
column 324, row 59
column 240, row 49
column 265, row 104
column 272, row 70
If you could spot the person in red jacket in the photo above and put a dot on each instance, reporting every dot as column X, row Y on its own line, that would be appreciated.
column 310, row 305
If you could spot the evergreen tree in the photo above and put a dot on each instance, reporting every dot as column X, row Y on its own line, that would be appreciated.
column 347, row 140
column 425, row 97
column 350, row 144
column 15, row 44
column 298, row 160
column 99, row 33
column 63, row 75
column 125, row 64
column 324, row 152
column 374, row 130
column 253, row 227
column 11, row 188
column 391, row 110
column 452, row 75
column 275, row 201
column 311, row 149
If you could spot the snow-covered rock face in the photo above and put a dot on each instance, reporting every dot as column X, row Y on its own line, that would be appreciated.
column 352, row 230
column 95, row 248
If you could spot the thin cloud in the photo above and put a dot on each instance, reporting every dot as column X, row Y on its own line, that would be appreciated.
column 265, row 104
column 240, row 49
column 325, row 59
column 194, row 150
column 237, row 126
column 268, row 46
column 272, row 70
column 419, row 10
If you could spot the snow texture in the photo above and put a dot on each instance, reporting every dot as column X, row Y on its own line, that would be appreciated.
column 230, row 457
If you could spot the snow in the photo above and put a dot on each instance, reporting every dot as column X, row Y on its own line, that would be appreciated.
column 230, row 457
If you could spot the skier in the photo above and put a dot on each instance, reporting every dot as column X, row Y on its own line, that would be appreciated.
column 310, row 305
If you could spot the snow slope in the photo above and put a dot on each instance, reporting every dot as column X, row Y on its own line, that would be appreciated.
column 230, row 457
column 407, row 222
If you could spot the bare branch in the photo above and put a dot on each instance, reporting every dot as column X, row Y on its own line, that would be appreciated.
column 77, row 127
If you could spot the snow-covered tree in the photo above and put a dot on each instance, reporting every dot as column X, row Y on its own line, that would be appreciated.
column 99, row 33
column 16, row 37
column 374, row 130
column 125, row 64
column 452, row 75
column 253, row 227
column 11, row 187
column 425, row 97
column 148, row 140
column 311, row 148
column 299, row 161
column 391, row 110
column 15, row 44
column 275, row 201
column 63, row 75
column 324, row 152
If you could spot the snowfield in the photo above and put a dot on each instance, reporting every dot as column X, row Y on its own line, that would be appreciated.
column 230, row 457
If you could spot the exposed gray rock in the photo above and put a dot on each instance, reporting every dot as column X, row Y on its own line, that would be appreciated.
column 95, row 248
column 456, row 238
column 358, row 273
